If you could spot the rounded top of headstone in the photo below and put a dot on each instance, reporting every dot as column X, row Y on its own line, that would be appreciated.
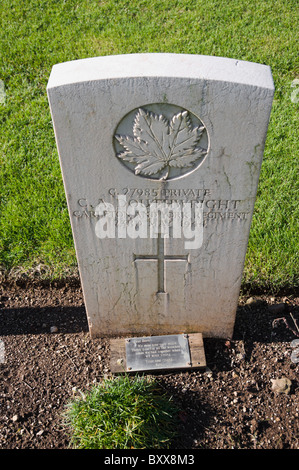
column 162, row 65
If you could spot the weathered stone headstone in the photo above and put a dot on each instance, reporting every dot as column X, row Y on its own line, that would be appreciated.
column 160, row 156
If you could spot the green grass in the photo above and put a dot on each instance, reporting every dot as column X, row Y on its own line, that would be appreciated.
column 122, row 413
column 34, row 35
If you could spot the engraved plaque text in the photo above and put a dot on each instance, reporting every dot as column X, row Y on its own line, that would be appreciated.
column 158, row 352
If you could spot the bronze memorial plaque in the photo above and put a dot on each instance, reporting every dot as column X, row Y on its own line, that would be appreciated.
column 158, row 352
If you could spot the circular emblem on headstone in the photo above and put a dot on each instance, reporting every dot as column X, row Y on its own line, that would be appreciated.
column 161, row 141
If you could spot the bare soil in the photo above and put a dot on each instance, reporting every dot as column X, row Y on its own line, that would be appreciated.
column 229, row 405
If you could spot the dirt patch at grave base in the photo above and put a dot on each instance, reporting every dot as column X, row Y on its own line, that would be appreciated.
column 49, row 355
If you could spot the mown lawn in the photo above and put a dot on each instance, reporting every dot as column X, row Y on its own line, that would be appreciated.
column 35, row 231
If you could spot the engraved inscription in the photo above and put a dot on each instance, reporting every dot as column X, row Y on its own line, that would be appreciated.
column 161, row 193
column 214, row 210
column 161, row 148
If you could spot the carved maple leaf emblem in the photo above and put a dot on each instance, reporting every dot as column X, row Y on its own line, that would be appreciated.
column 159, row 144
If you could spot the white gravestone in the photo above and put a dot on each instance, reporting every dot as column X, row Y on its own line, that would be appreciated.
column 160, row 156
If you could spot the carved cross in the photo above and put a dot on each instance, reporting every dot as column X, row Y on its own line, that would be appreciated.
column 161, row 258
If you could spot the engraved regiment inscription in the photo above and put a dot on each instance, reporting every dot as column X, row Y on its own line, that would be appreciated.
column 157, row 352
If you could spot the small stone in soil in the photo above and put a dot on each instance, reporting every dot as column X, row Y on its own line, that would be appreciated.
column 282, row 385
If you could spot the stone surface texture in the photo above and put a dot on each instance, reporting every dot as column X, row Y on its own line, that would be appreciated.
column 103, row 110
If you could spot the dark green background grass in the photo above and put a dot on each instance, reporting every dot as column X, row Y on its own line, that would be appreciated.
column 34, row 35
